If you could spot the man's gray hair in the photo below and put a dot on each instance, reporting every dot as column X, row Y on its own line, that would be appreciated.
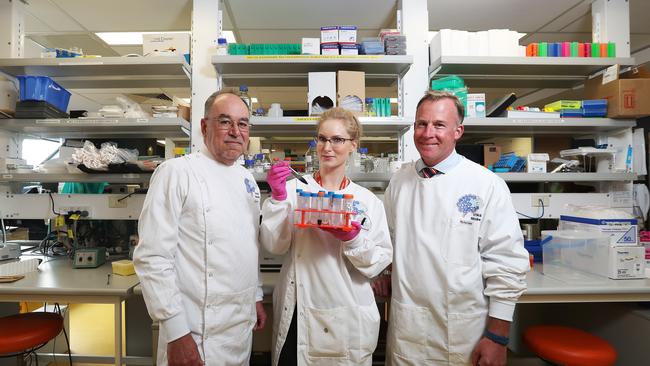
column 210, row 101
column 436, row 95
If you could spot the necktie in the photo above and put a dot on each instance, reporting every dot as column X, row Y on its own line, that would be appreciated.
column 428, row 172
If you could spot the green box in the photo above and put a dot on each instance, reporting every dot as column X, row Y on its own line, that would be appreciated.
column 89, row 257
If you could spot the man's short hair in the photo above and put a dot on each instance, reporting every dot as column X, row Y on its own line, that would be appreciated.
column 436, row 95
column 210, row 101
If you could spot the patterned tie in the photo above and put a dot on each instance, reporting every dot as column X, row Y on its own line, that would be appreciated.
column 428, row 172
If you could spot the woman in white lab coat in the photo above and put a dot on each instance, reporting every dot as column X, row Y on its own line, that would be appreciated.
column 323, row 305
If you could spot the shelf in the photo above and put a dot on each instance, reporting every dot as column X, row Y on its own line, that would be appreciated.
column 291, row 70
column 306, row 126
column 99, row 128
column 85, row 178
column 539, row 72
column 561, row 126
column 105, row 72
column 567, row 177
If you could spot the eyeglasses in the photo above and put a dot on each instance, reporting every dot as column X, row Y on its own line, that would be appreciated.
column 335, row 141
column 226, row 124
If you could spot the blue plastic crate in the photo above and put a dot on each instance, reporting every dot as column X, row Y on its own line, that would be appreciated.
column 43, row 88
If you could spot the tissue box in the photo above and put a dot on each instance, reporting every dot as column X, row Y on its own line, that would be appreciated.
column 123, row 268
column 329, row 34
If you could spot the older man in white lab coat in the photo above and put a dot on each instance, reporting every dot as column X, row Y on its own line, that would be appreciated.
column 459, row 264
column 197, row 259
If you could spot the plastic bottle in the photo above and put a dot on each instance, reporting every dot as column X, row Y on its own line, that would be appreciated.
column 313, row 205
column 266, row 159
column 370, row 110
column 222, row 47
column 258, row 166
column 365, row 163
column 323, row 217
column 302, row 217
column 311, row 158
column 337, row 206
column 249, row 164
column 243, row 94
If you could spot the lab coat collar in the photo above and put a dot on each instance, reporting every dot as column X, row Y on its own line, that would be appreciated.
column 444, row 166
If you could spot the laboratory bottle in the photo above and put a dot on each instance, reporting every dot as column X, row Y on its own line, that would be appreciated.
column 365, row 161
column 266, row 159
column 222, row 47
column 311, row 158
column 249, row 164
column 348, row 207
column 243, row 94
column 337, row 206
column 370, row 110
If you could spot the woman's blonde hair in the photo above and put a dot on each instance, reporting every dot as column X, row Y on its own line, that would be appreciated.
column 350, row 121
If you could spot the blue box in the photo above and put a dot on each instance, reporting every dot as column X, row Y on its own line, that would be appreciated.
column 43, row 88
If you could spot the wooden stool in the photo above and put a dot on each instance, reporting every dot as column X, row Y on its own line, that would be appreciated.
column 24, row 333
column 569, row 346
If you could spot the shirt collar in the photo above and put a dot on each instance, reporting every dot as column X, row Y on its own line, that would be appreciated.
column 444, row 166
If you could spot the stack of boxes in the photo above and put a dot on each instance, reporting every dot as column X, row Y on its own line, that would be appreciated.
column 338, row 40
column 394, row 43
column 578, row 108
column 571, row 49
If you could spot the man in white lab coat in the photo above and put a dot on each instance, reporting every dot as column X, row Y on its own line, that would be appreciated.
column 197, row 259
column 459, row 262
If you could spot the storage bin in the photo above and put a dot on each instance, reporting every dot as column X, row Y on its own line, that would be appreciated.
column 567, row 253
column 45, row 89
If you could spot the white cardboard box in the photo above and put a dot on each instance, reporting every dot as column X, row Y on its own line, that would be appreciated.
column 626, row 262
column 310, row 46
column 165, row 41
column 347, row 34
column 349, row 49
column 536, row 162
column 475, row 105
column 329, row 49
column 329, row 34
column 321, row 89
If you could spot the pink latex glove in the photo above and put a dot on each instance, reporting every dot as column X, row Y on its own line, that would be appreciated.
column 343, row 235
column 277, row 180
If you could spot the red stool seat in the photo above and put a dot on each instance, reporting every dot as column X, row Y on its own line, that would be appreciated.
column 569, row 346
column 22, row 332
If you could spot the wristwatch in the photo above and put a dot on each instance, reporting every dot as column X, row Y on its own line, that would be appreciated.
column 496, row 338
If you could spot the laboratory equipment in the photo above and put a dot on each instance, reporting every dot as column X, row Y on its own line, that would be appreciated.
column 243, row 94
column 89, row 257
column 9, row 251
column 324, row 210
column 311, row 158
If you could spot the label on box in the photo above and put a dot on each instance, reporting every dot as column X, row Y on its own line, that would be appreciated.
column 610, row 74
column 349, row 49
column 620, row 231
column 329, row 49
column 626, row 262
column 475, row 105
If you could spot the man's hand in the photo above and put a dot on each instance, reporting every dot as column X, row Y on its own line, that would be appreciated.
column 488, row 353
column 183, row 352
column 381, row 286
column 261, row 316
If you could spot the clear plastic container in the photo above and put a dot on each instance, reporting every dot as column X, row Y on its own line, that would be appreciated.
column 323, row 216
column 311, row 158
column 313, row 216
column 571, row 254
column 266, row 159
column 303, row 203
column 337, row 206
column 348, row 206
column 258, row 166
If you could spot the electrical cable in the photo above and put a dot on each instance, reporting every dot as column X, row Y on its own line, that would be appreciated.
column 52, row 199
column 4, row 232
column 541, row 203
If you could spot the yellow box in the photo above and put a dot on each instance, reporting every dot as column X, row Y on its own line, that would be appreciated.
column 563, row 104
column 123, row 268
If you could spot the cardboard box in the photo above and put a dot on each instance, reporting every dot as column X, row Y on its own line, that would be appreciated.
column 627, row 97
column 475, row 105
column 536, row 163
column 351, row 87
column 347, row 34
column 329, row 34
column 491, row 154
column 166, row 41
column 329, row 49
column 310, row 46
column 620, row 231
column 321, row 91
column 349, row 49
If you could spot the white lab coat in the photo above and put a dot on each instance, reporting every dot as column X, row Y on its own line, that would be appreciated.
column 197, row 259
column 459, row 257
column 329, row 280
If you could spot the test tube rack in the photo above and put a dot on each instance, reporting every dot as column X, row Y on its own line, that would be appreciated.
column 302, row 222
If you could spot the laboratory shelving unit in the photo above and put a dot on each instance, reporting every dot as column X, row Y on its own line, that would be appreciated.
column 91, row 73
column 305, row 126
column 545, row 72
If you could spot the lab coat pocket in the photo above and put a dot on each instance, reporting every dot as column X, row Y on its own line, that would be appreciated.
column 413, row 334
column 328, row 333
column 461, row 243
column 465, row 330
column 230, row 316
column 369, row 329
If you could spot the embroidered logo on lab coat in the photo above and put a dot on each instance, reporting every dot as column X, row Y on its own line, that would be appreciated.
column 251, row 189
column 469, row 204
